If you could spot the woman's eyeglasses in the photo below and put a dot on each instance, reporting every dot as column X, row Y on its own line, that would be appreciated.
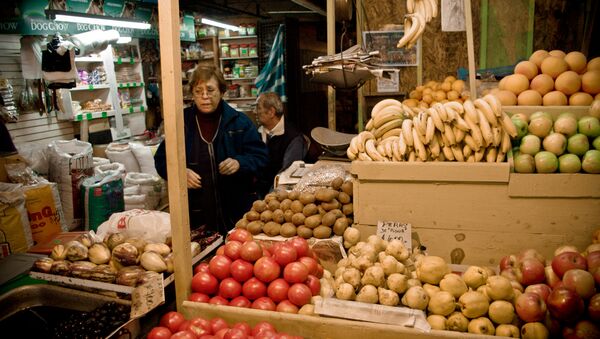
column 209, row 92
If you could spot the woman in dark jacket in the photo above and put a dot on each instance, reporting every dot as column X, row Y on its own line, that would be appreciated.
column 224, row 155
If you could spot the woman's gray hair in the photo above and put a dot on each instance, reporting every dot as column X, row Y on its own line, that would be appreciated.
column 271, row 99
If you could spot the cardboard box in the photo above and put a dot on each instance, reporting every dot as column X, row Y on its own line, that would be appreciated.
column 476, row 213
column 311, row 326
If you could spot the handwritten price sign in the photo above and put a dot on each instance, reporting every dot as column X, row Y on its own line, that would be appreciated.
column 389, row 230
column 147, row 296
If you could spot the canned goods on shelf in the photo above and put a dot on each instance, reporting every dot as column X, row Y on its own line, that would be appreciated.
column 252, row 51
column 224, row 50
column 234, row 51
column 243, row 50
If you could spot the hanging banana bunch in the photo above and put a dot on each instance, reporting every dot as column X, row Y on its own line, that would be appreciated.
column 419, row 13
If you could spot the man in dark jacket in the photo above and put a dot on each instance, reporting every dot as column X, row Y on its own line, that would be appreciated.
column 286, row 144
column 224, row 155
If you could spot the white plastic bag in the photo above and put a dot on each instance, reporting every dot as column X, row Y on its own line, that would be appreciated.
column 121, row 153
column 153, row 226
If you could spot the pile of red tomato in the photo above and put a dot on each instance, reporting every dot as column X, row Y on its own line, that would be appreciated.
column 173, row 325
column 244, row 273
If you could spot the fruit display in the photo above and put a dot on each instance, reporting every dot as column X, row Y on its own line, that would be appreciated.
column 174, row 325
column 322, row 214
column 118, row 259
column 531, row 297
column 419, row 13
column 244, row 273
column 552, row 78
column 566, row 144
column 432, row 92
column 473, row 131
column 98, row 323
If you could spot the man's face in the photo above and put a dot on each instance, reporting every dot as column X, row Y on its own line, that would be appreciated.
column 263, row 115
column 207, row 95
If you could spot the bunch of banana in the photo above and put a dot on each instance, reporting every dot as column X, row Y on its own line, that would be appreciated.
column 473, row 131
column 375, row 143
column 419, row 13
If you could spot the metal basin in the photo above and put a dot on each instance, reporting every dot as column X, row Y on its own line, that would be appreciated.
column 30, row 310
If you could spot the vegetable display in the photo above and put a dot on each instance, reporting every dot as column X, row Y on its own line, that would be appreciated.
column 282, row 277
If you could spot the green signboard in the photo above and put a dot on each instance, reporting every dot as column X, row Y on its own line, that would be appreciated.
column 28, row 17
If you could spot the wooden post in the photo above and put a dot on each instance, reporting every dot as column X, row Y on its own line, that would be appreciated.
column 331, row 51
column 470, row 49
column 420, row 61
column 172, row 96
column 362, row 105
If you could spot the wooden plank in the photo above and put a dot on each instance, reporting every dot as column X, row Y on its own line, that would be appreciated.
column 470, row 48
column 59, row 134
column 483, row 39
column 554, row 111
column 487, row 247
column 172, row 95
column 331, row 51
column 39, row 129
column 34, row 123
column 313, row 327
column 555, row 185
column 35, row 116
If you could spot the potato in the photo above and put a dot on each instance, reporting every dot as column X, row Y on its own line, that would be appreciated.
column 322, row 232
column 368, row 294
column 345, row 292
column 352, row 235
column 309, row 209
column 272, row 228
column 270, row 196
column 347, row 187
column 266, row 216
column 350, row 220
column 278, row 216
column 373, row 275
column 288, row 230
column 304, row 232
column 259, row 206
column 288, row 215
column 340, row 225
column 352, row 276
column 285, row 204
column 281, row 195
column 337, row 183
column 344, row 198
column 306, row 198
column 338, row 213
column 328, row 219
column 242, row 223
column 273, row 204
column 348, row 209
column 321, row 210
column 252, row 215
column 333, row 204
column 313, row 221
column 326, row 194
column 298, row 219
column 297, row 206
column 255, row 227
column 293, row 195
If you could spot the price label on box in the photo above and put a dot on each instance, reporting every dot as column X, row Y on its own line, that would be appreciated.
column 148, row 296
column 389, row 230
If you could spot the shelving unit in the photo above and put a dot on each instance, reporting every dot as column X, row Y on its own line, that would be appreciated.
column 245, row 100
column 122, row 91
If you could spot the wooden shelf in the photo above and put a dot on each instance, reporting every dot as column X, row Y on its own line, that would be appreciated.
column 119, row 60
column 90, row 87
column 88, row 59
column 238, row 58
column 239, row 37
column 130, row 84
column 248, row 78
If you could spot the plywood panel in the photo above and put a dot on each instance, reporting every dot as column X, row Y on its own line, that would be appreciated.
column 507, row 32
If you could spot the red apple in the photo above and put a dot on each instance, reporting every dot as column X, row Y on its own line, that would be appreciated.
column 530, row 307
column 596, row 274
column 584, row 329
column 511, row 273
column 542, row 290
column 516, row 285
column 566, row 261
column 531, row 253
column 593, row 260
column 594, row 308
column 534, row 330
column 532, row 271
column 553, row 325
column 508, row 261
column 580, row 281
column 591, row 248
column 565, row 305
column 551, row 278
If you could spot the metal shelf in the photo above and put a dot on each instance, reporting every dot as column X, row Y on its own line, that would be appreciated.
column 248, row 78
column 90, row 87
column 88, row 59
column 120, row 60
column 130, row 84
column 239, row 37
column 238, row 58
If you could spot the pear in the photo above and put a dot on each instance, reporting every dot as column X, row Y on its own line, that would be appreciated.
column 473, row 304
column 442, row 303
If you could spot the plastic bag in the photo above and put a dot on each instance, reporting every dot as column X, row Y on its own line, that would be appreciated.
column 102, row 196
column 318, row 177
column 153, row 226
column 150, row 185
column 36, row 155
column 15, row 232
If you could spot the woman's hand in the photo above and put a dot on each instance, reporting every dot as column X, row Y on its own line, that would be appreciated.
column 229, row 166
column 193, row 179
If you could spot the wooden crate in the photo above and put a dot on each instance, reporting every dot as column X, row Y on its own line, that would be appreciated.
column 311, row 326
column 476, row 213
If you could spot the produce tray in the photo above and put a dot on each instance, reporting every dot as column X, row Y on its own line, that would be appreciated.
column 86, row 283
column 552, row 110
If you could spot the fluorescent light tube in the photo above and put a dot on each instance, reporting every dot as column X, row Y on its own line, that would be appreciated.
column 220, row 24
column 95, row 19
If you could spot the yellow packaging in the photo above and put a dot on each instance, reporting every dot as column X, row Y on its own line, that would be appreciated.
column 42, row 210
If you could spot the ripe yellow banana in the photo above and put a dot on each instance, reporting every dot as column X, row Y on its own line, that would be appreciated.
column 455, row 106
column 459, row 134
column 402, row 147
column 471, row 158
column 494, row 103
column 479, row 154
column 386, row 127
column 497, row 133
column 391, row 133
column 420, row 18
column 508, row 125
column 471, row 142
column 363, row 137
column 485, row 108
column 449, row 135
column 364, row 157
column 412, row 156
column 475, row 132
column 419, row 147
column 380, row 147
column 434, row 6
column 505, row 145
column 383, row 104
column 369, row 125
column 447, row 151
column 434, row 147
column 372, row 151
column 491, row 154
column 411, row 28
column 389, row 113
column 353, row 148
column 467, row 151
column 433, row 113
column 470, row 111
column 410, row 6
column 430, row 130
column 396, row 156
column 486, row 130
column 457, row 152
column 407, row 125
column 428, row 10
column 500, row 157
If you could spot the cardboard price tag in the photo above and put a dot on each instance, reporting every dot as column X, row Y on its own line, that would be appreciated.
column 148, row 296
column 389, row 230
